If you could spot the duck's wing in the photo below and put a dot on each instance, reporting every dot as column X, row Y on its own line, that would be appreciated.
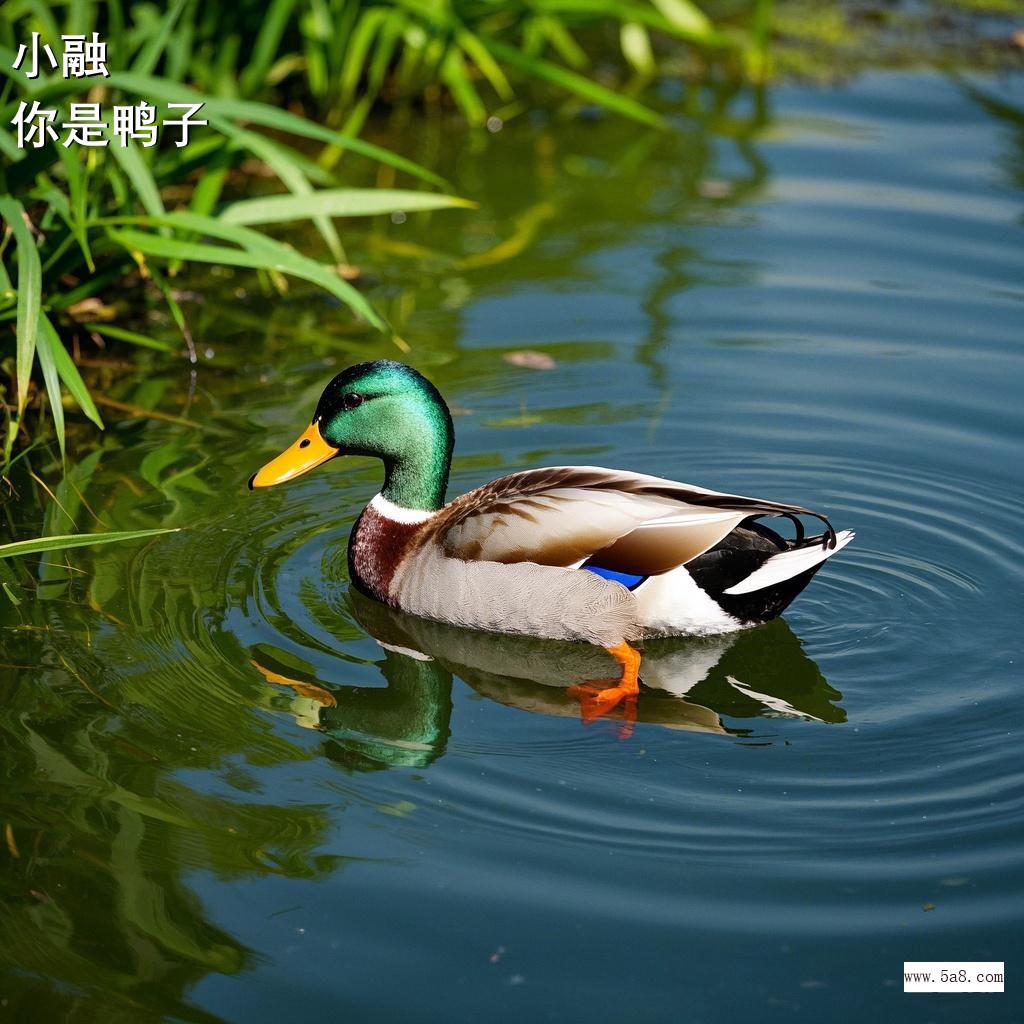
column 567, row 515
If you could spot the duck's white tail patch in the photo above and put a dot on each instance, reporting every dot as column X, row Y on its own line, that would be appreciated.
column 785, row 566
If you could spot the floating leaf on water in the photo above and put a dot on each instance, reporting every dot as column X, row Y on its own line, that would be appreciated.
column 713, row 188
column 91, row 308
column 530, row 359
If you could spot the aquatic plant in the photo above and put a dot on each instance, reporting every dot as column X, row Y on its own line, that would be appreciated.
column 286, row 88
column 80, row 219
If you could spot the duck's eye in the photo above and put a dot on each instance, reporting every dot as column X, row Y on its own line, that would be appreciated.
column 350, row 401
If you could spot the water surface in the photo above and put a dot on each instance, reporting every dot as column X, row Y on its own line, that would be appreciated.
column 226, row 800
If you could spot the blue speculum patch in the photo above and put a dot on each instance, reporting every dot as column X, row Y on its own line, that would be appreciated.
column 628, row 580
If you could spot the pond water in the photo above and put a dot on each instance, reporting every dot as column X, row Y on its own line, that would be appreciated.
column 225, row 800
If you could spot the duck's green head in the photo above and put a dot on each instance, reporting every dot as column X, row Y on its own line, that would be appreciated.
column 386, row 410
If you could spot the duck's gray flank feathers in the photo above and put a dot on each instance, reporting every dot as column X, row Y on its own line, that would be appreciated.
column 534, row 600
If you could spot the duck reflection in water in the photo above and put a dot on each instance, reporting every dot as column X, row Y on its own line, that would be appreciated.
column 688, row 684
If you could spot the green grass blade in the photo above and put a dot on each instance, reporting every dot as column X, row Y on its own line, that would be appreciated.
column 132, row 337
column 269, row 255
column 636, row 47
column 582, row 87
column 561, row 40
column 73, row 382
column 139, row 175
column 759, row 59
column 178, row 53
column 383, row 53
column 207, row 192
column 354, row 64
column 9, row 146
column 475, row 50
column 177, row 313
column 259, row 145
column 76, row 540
column 182, row 249
column 697, row 30
column 44, row 16
column 151, row 53
column 78, row 182
column 30, row 283
column 295, row 180
column 456, row 77
column 267, row 117
column 92, row 285
column 55, row 200
column 46, row 341
column 267, row 46
column 685, row 15
column 337, row 202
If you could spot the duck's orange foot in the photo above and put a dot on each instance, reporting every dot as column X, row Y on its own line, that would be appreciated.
column 596, row 701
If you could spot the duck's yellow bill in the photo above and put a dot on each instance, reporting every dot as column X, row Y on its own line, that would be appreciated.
column 308, row 452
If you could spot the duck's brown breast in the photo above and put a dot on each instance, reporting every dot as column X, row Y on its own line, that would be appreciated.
column 376, row 549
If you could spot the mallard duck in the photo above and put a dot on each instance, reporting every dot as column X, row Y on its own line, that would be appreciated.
column 580, row 553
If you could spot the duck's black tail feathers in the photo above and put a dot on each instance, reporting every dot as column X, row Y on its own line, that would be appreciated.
column 754, row 572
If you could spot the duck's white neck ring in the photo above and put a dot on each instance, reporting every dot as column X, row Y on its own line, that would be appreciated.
column 398, row 514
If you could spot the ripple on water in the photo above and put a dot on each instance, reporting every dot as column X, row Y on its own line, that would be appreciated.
column 919, row 566
column 284, row 568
